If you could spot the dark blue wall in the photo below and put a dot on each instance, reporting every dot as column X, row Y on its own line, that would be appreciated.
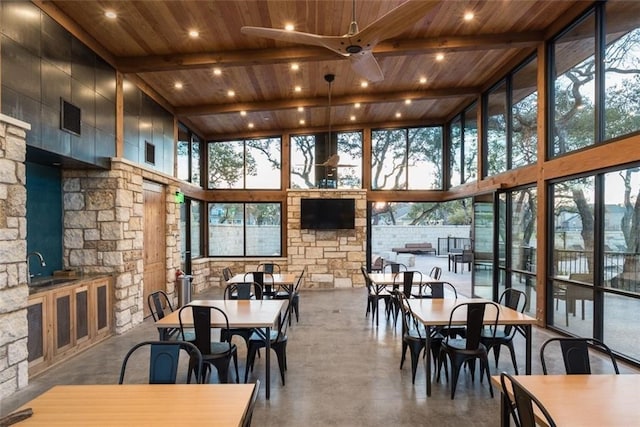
column 44, row 217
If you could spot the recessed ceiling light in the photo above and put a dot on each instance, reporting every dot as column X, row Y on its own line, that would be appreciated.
column 468, row 16
column 110, row 14
column 177, row 85
column 217, row 72
column 398, row 115
column 364, row 83
column 295, row 66
column 302, row 121
column 194, row 34
column 289, row 27
column 231, row 93
column 353, row 118
column 407, row 102
column 243, row 113
column 250, row 125
column 423, row 80
column 440, row 57
column 297, row 89
column 300, row 109
column 356, row 105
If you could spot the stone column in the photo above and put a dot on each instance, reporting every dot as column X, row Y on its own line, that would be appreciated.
column 14, row 367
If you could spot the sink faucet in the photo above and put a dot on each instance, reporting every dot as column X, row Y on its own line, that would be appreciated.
column 42, row 264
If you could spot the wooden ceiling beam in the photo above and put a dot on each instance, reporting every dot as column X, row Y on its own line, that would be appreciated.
column 249, row 57
column 287, row 103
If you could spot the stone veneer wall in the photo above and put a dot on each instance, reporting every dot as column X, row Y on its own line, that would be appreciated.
column 14, row 367
column 103, row 231
column 332, row 257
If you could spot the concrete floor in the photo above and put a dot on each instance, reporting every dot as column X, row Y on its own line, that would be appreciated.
column 342, row 371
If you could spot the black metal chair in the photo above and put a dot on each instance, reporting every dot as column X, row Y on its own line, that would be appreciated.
column 246, row 420
column 214, row 353
column 227, row 274
column 405, row 281
column 393, row 267
column 575, row 354
column 521, row 406
column 264, row 279
column 164, row 360
column 269, row 267
column 277, row 340
column 469, row 348
column 158, row 302
column 284, row 294
column 435, row 273
column 414, row 336
column 515, row 300
column 374, row 295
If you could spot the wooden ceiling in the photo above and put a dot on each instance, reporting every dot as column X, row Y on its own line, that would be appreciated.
column 149, row 42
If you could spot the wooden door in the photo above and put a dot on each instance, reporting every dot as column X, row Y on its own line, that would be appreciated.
column 154, row 240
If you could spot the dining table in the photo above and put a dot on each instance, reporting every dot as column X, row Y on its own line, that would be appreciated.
column 157, row 405
column 261, row 315
column 580, row 400
column 436, row 312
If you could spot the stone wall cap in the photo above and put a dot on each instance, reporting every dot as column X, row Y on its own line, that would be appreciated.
column 14, row 122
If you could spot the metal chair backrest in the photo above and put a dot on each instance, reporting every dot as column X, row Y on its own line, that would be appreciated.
column 475, row 321
column 243, row 291
column 164, row 357
column 269, row 267
column 515, row 300
column 435, row 273
column 394, row 267
column 227, row 273
column 246, row 421
column 202, row 326
column 407, row 279
column 157, row 301
column 521, row 407
column 575, row 354
column 265, row 280
column 438, row 289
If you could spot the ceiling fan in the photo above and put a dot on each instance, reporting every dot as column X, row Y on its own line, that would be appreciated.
column 357, row 45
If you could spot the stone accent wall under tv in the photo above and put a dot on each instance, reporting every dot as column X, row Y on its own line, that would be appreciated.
column 332, row 257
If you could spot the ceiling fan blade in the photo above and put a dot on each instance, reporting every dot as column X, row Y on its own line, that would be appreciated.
column 365, row 64
column 394, row 22
column 332, row 43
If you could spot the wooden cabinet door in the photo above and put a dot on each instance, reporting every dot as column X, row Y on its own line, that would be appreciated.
column 38, row 327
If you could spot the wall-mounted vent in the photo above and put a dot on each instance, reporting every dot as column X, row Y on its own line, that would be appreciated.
column 149, row 153
column 70, row 117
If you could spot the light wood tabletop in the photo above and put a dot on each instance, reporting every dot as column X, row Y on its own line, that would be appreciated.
column 140, row 404
column 434, row 312
column 582, row 400
column 259, row 314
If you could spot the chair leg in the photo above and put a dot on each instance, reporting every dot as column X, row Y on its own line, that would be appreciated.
column 404, row 353
column 280, row 354
column 415, row 358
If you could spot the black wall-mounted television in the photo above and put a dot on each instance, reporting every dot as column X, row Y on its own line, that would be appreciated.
column 327, row 214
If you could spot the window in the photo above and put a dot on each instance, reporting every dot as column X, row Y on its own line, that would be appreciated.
column 573, row 80
column 470, row 142
column 622, row 72
column 455, row 152
column 245, row 229
column 188, row 156
column 244, row 164
column 318, row 164
column 512, row 121
column 195, row 223
column 406, row 159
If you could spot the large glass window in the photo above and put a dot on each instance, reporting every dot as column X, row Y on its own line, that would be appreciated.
column 470, row 141
column 318, row 164
column 406, row 159
column 196, row 221
column 574, row 88
column 523, row 244
column 524, row 115
column 622, row 68
column 244, row 164
column 455, row 152
column 245, row 229
column 573, row 247
column 497, row 129
column 188, row 156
